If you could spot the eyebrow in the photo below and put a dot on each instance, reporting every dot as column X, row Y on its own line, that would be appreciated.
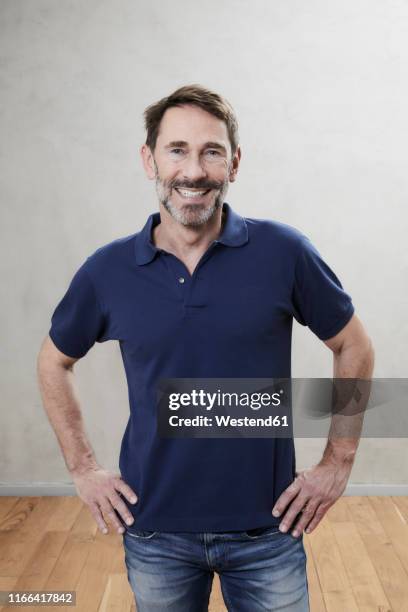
column 215, row 145
column 207, row 145
column 176, row 143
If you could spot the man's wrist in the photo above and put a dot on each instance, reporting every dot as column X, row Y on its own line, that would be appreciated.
column 340, row 453
column 84, row 464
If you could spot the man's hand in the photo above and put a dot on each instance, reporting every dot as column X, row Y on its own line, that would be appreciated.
column 312, row 493
column 98, row 488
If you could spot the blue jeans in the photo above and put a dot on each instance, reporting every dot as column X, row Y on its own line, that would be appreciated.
column 259, row 570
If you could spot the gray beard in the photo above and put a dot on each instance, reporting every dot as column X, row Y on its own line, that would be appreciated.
column 201, row 214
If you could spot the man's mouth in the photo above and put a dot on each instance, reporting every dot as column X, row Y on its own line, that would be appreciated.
column 191, row 194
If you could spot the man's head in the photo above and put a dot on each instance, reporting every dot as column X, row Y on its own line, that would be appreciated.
column 192, row 152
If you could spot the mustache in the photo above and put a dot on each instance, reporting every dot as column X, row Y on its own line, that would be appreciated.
column 200, row 184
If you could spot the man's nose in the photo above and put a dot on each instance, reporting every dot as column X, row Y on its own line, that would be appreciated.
column 193, row 168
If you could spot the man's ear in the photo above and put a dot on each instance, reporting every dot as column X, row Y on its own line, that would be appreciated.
column 235, row 164
column 148, row 161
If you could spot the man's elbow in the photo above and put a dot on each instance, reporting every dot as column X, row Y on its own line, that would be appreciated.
column 50, row 357
column 370, row 354
column 361, row 353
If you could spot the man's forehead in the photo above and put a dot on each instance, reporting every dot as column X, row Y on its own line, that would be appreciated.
column 192, row 123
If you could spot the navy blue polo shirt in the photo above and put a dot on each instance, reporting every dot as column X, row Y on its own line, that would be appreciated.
column 231, row 318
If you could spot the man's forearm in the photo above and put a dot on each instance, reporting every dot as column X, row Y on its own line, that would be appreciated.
column 316, row 489
column 355, row 361
column 57, row 388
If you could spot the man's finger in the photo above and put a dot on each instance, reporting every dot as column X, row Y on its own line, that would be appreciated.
column 319, row 514
column 307, row 514
column 286, row 497
column 96, row 513
column 124, row 488
column 121, row 508
column 292, row 512
column 110, row 514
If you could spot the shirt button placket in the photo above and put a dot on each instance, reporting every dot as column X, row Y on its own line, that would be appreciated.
column 185, row 287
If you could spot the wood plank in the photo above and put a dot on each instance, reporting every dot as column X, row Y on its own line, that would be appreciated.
column 402, row 505
column 340, row 601
column 67, row 570
column 70, row 563
column 92, row 580
column 18, row 513
column 329, row 565
column 6, row 505
column 7, row 584
column 352, row 499
column 85, row 523
column 363, row 579
column 338, row 512
column 118, row 558
column 366, row 521
column 316, row 600
column 389, row 569
column 17, row 545
column 65, row 514
column 118, row 596
column 40, row 564
column 216, row 603
column 394, row 525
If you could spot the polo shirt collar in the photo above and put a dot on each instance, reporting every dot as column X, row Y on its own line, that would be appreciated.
column 234, row 233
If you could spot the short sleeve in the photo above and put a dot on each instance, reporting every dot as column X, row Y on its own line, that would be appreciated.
column 318, row 298
column 78, row 320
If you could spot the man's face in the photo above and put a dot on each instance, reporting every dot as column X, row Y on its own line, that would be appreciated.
column 191, row 164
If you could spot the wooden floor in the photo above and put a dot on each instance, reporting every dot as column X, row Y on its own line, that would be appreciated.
column 357, row 556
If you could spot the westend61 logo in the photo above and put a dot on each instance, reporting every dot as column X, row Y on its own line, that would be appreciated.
column 207, row 400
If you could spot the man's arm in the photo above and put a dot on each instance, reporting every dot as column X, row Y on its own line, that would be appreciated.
column 315, row 489
column 97, row 487
column 353, row 357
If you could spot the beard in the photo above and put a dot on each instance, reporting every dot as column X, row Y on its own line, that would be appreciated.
column 191, row 215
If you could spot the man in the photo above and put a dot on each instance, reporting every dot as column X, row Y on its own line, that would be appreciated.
column 201, row 291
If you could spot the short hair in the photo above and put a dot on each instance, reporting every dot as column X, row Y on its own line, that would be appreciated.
column 194, row 95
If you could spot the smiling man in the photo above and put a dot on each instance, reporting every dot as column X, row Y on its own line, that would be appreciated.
column 202, row 292
column 192, row 158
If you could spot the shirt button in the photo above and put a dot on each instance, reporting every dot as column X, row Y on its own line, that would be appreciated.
column 181, row 280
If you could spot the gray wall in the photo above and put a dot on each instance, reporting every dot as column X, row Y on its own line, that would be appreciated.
column 320, row 90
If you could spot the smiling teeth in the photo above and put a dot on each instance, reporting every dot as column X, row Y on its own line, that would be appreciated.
column 191, row 194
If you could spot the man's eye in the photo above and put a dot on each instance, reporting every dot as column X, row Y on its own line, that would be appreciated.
column 212, row 152
column 177, row 151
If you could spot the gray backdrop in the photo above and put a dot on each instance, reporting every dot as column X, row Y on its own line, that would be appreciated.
column 320, row 90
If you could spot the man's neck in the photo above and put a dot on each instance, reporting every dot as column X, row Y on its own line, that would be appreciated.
column 186, row 241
